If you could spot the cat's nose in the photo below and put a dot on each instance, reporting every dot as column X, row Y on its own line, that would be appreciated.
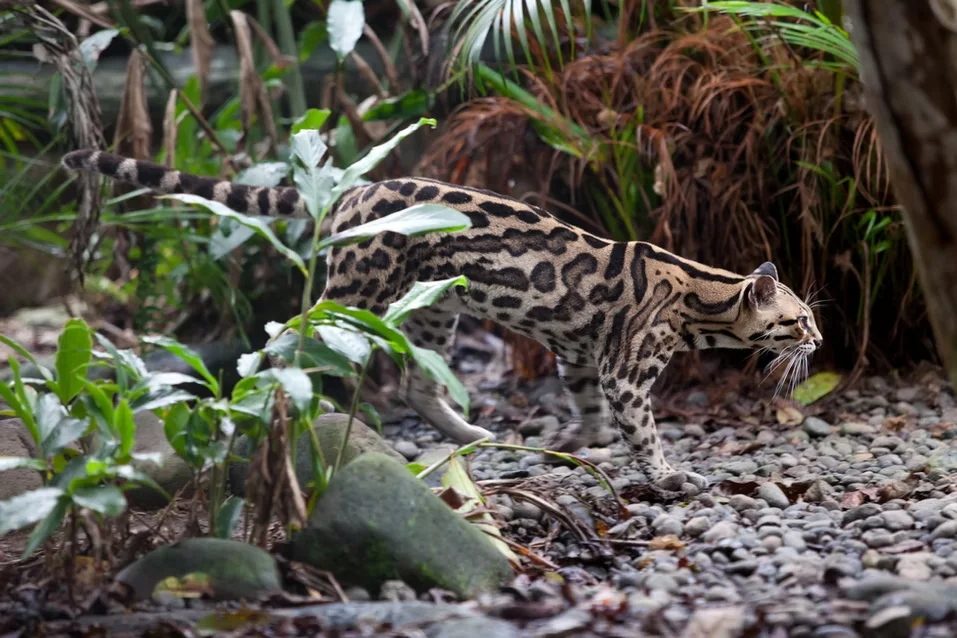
column 817, row 342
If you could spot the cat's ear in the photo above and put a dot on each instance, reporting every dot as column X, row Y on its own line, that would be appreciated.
column 762, row 291
column 767, row 268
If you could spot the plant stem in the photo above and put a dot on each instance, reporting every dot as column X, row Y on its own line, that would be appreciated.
column 287, row 44
column 352, row 412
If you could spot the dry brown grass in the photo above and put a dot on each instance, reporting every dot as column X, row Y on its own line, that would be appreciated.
column 740, row 146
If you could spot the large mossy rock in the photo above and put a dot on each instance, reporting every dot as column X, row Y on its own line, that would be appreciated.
column 330, row 430
column 377, row 522
column 231, row 569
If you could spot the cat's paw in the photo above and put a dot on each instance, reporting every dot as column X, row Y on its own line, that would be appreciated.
column 674, row 481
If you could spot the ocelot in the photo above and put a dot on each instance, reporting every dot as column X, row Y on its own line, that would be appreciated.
column 612, row 312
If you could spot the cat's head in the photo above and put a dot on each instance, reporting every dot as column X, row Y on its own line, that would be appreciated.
column 774, row 318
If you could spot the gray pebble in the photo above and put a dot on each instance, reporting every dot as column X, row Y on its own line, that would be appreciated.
column 817, row 427
column 408, row 449
column 773, row 494
column 697, row 526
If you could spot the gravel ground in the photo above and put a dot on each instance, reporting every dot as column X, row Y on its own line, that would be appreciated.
column 836, row 520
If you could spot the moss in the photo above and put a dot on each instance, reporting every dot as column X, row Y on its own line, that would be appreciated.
column 377, row 522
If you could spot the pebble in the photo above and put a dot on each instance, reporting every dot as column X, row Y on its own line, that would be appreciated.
column 719, row 531
column 665, row 525
column 740, row 503
column 697, row 526
column 408, row 449
column 773, row 494
column 817, row 427
column 897, row 520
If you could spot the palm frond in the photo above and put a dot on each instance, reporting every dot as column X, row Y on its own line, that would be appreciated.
column 796, row 27
column 536, row 24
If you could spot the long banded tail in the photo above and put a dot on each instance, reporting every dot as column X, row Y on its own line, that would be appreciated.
column 280, row 201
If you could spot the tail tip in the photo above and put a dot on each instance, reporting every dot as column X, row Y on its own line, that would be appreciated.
column 76, row 159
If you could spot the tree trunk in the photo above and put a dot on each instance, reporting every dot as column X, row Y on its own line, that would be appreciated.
column 908, row 53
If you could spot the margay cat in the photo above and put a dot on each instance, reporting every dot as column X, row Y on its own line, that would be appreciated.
column 612, row 312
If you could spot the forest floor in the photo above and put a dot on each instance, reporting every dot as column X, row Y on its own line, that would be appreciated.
column 831, row 521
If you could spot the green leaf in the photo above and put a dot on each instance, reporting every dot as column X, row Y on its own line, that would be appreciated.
column 72, row 358
column 48, row 414
column 249, row 363
column 107, row 499
column 50, row 523
column 23, row 352
column 67, row 431
column 415, row 220
column 228, row 516
column 28, row 508
column 375, row 155
column 816, row 387
column 312, row 35
column 314, row 181
column 415, row 468
column 20, row 410
column 315, row 355
column 14, row 463
column 174, row 426
column 414, row 103
column 311, row 119
column 188, row 355
column 93, row 46
column 344, row 22
column 125, row 427
column 422, row 295
column 295, row 382
column 350, row 344
column 436, row 368
column 221, row 243
column 268, row 174
column 161, row 398
column 260, row 227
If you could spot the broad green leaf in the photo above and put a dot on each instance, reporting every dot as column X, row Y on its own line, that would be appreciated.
column 349, row 344
column 415, row 468
column 268, row 174
column 159, row 380
column 311, row 36
column 51, row 522
column 314, row 181
column 456, row 476
column 249, row 363
column 160, row 398
column 344, row 22
column 436, row 368
column 130, row 473
column 311, row 119
column 221, row 243
column 125, row 360
column 422, row 295
column 188, row 355
column 228, row 516
column 295, row 382
column 415, row 220
column 816, row 387
column 125, row 427
column 66, row 431
column 375, row 155
column 14, row 463
column 93, row 46
column 72, row 358
column 106, row 499
column 103, row 405
column 175, row 427
column 261, row 228
column 49, row 413
column 28, row 508
column 23, row 412
column 315, row 355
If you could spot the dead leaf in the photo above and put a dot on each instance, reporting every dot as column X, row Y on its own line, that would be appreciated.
column 667, row 542
column 789, row 415
column 201, row 44
column 133, row 127
column 893, row 489
column 858, row 498
column 252, row 90
column 795, row 489
column 453, row 498
column 170, row 129
column 730, row 488
column 194, row 585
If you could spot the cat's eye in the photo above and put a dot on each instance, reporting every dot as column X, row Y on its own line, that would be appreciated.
column 802, row 321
